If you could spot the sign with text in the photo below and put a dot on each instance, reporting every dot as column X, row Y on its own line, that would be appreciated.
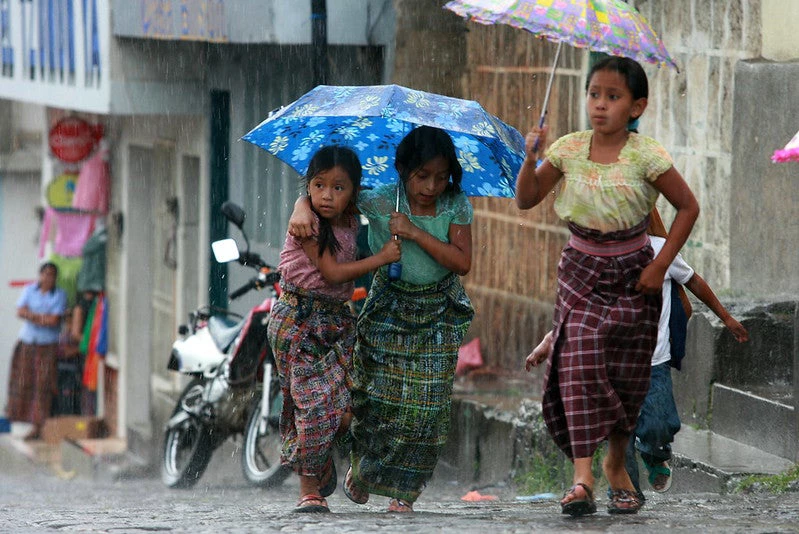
column 193, row 20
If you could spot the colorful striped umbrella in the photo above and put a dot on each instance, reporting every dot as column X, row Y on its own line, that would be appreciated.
column 610, row 26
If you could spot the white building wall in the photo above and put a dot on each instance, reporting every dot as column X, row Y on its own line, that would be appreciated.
column 188, row 137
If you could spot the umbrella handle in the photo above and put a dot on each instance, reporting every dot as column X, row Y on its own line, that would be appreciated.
column 395, row 269
column 549, row 91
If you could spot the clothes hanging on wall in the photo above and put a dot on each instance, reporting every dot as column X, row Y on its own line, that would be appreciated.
column 92, row 273
column 94, row 184
column 71, row 232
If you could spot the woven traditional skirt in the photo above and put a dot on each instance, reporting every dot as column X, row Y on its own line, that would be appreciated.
column 404, row 367
column 604, row 336
column 312, row 338
column 32, row 382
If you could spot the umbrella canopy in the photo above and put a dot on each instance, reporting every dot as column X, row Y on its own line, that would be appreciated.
column 789, row 153
column 610, row 26
column 372, row 120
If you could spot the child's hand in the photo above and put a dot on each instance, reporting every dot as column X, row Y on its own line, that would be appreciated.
column 540, row 353
column 536, row 134
column 391, row 251
column 737, row 329
column 401, row 226
column 302, row 224
column 651, row 280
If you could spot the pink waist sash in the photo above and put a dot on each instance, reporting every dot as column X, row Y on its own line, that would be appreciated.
column 610, row 248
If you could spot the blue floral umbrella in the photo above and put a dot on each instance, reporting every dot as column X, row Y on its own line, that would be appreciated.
column 372, row 120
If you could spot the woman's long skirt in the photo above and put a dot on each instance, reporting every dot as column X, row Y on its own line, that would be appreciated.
column 32, row 382
column 407, row 348
column 312, row 338
column 604, row 336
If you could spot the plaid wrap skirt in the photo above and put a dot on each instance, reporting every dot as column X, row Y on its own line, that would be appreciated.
column 404, row 367
column 32, row 382
column 604, row 336
column 312, row 338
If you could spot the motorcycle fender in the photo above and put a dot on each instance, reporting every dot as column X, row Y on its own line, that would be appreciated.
column 177, row 420
column 197, row 353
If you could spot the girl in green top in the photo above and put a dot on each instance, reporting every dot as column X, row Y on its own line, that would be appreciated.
column 410, row 329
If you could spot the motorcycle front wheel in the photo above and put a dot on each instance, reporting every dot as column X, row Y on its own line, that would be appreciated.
column 260, row 458
column 188, row 445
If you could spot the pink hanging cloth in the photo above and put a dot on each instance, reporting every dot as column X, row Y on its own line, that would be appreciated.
column 93, row 187
column 72, row 231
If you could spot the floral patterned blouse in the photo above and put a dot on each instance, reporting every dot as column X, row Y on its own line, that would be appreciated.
column 607, row 197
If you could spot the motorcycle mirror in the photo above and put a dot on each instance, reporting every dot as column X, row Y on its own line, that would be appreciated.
column 234, row 213
column 225, row 250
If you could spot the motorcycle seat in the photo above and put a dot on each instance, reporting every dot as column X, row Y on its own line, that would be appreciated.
column 224, row 330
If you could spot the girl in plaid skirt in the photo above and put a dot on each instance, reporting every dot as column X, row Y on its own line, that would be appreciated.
column 311, row 329
column 410, row 329
column 608, row 300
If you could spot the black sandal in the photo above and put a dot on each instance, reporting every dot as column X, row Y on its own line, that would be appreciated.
column 306, row 506
column 578, row 507
column 624, row 502
column 332, row 479
column 353, row 492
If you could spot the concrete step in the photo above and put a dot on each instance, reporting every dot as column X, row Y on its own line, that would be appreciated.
column 754, row 419
column 492, row 438
column 708, row 462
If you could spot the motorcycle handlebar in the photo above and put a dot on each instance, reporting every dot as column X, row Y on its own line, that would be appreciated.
column 257, row 282
column 243, row 289
column 251, row 258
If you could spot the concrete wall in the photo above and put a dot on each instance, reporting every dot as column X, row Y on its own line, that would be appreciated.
column 780, row 38
column 764, row 196
column 690, row 112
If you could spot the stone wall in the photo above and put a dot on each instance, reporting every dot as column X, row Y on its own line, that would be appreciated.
column 691, row 112
column 512, row 283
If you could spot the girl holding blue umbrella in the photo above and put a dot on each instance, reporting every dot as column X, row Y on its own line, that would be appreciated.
column 410, row 328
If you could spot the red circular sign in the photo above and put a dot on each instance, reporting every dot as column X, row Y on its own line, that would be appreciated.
column 71, row 139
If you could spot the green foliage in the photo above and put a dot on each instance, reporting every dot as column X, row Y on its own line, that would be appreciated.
column 553, row 472
column 772, row 483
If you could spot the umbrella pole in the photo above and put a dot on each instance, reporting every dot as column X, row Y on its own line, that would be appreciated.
column 549, row 91
column 395, row 269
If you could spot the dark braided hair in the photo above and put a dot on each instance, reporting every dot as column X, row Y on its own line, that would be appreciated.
column 325, row 159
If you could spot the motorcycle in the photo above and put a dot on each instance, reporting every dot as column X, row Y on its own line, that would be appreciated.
column 234, row 387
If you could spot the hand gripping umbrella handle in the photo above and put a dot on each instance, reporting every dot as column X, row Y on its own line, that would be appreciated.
column 549, row 90
column 395, row 269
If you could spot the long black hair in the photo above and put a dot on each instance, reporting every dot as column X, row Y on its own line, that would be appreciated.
column 632, row 72
column 423, row 144
column 325, row 159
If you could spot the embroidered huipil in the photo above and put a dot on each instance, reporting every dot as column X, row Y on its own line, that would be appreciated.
column 607, row 197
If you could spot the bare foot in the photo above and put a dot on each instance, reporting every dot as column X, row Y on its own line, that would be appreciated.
column 617, row 476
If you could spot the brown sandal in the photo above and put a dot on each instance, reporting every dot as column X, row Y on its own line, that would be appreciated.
column 624, row 502
column 400, row 505
column 352, row 491
column 312, row 504
column 577, row 507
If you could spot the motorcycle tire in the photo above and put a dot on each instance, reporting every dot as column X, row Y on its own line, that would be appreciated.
column 187, row 447
column 260, row 455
